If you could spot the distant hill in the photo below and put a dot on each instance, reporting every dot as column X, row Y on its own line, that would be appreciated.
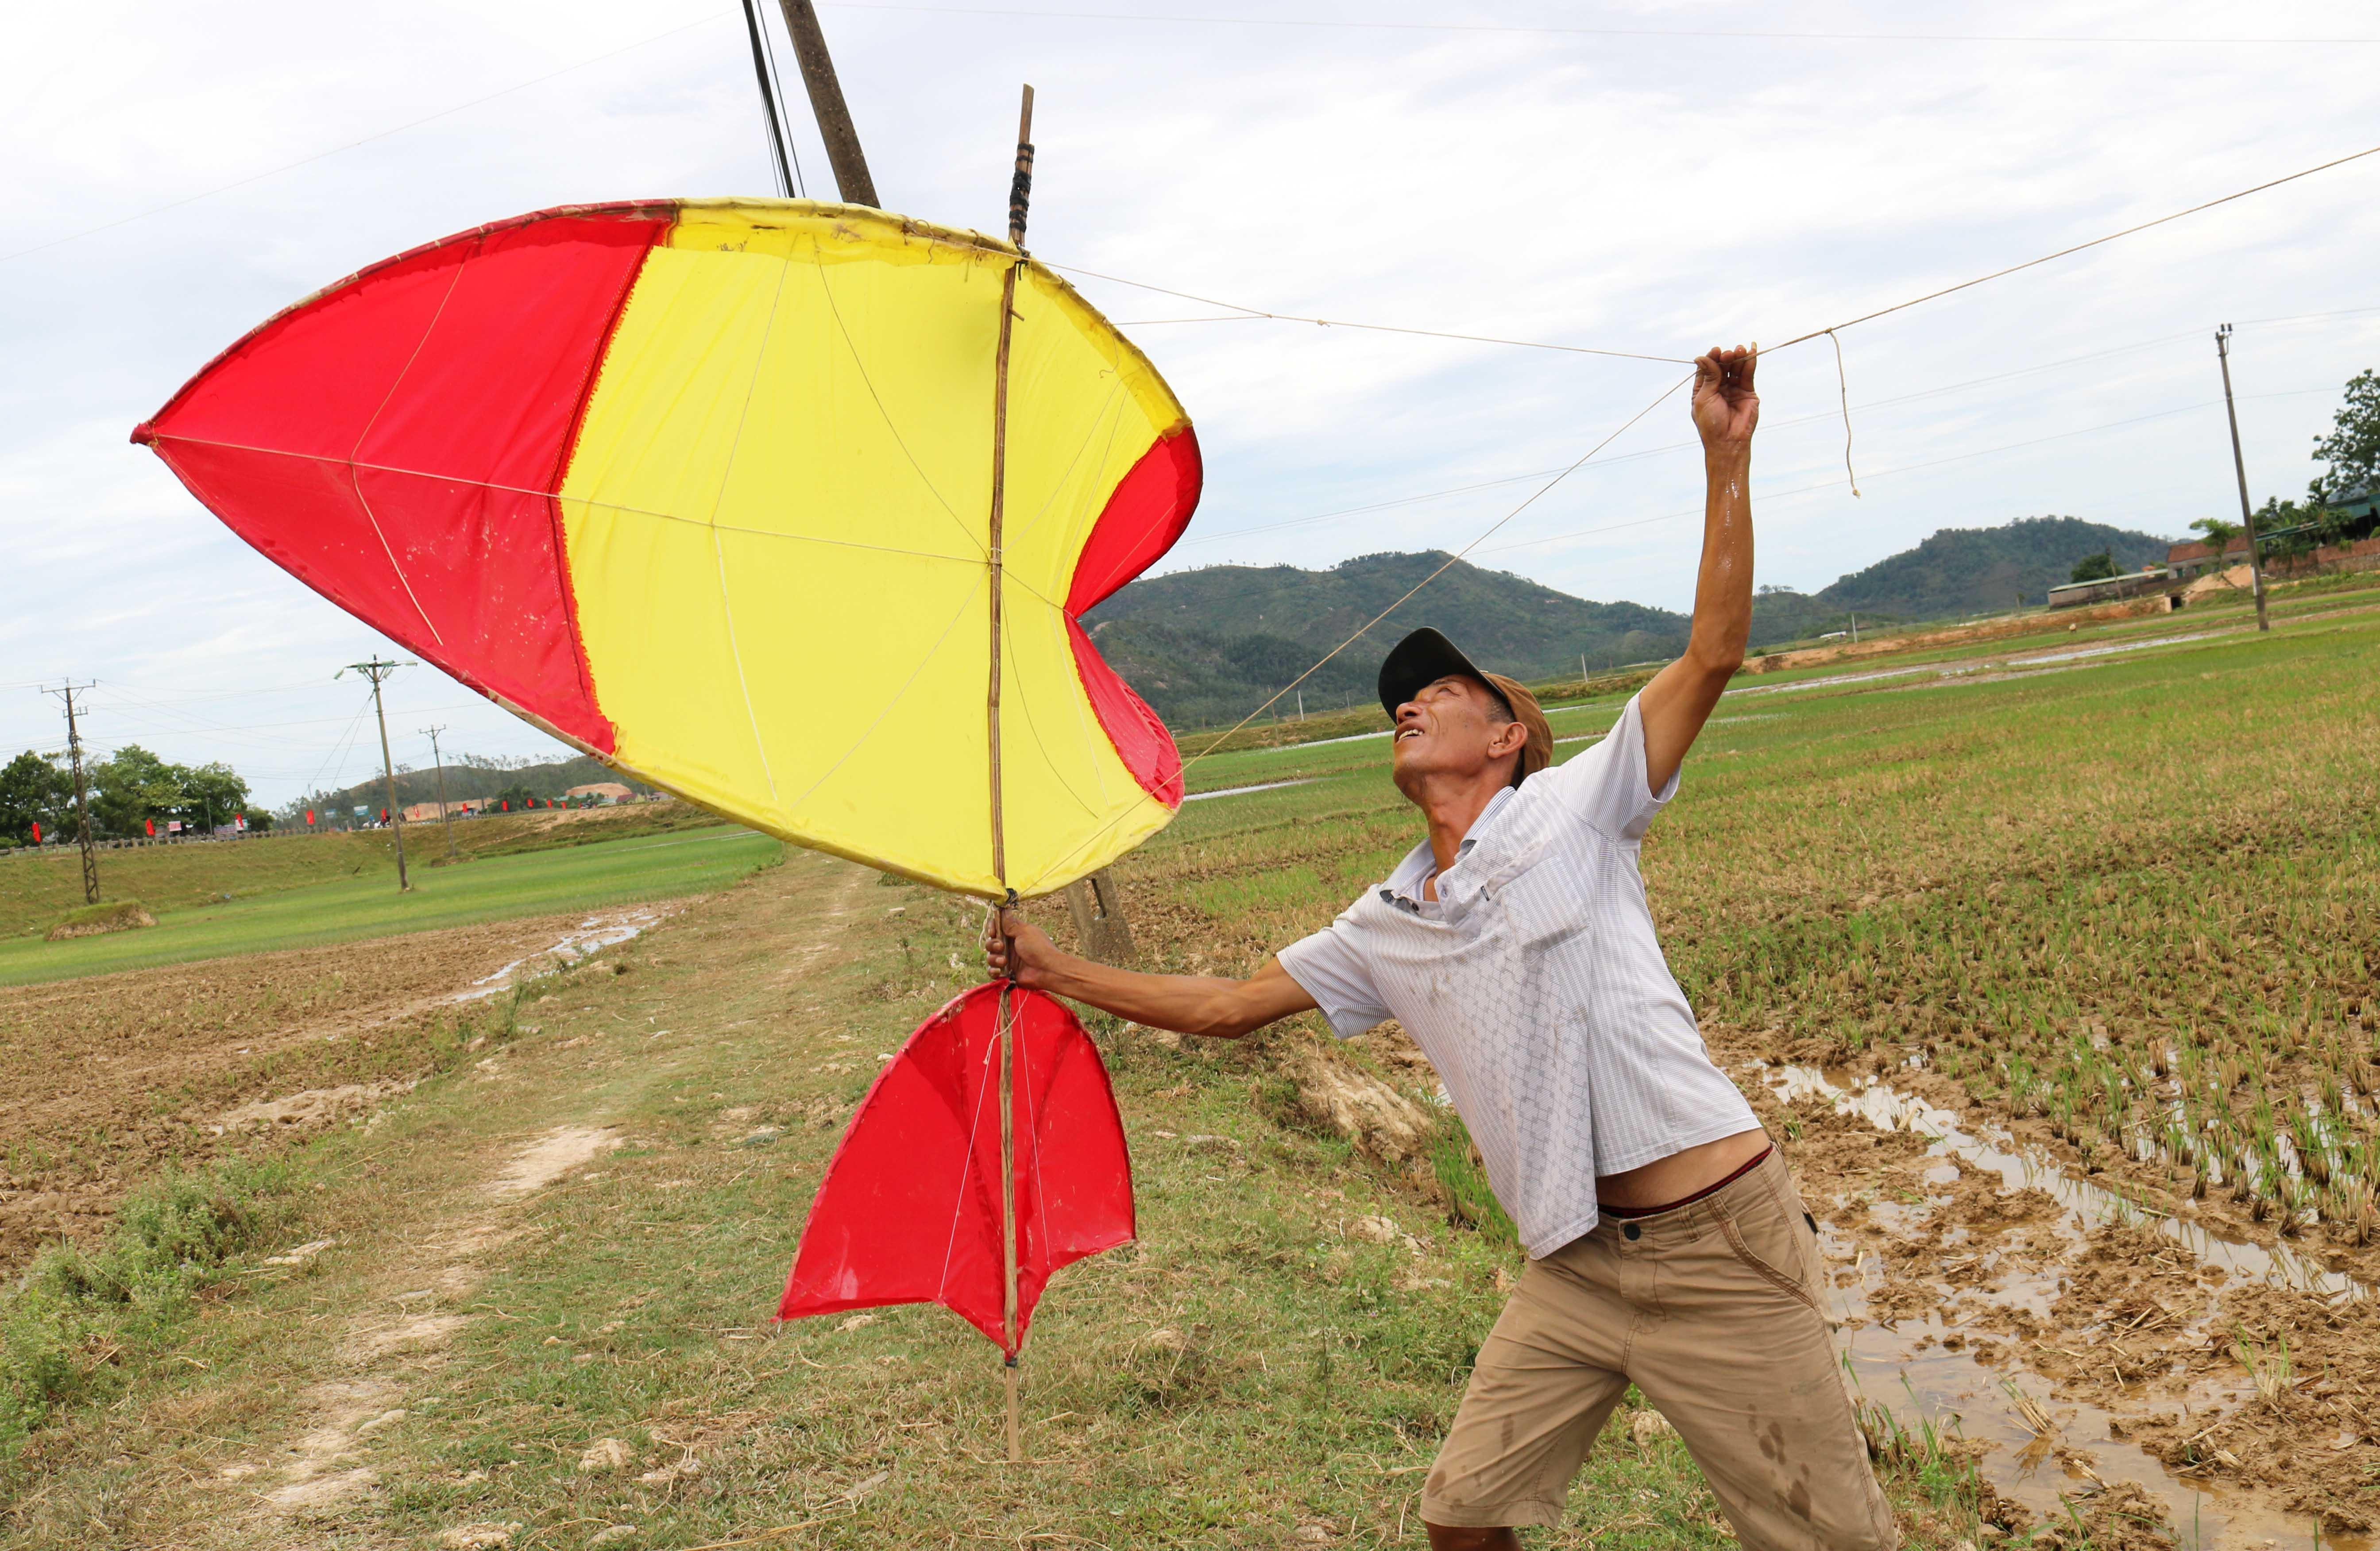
column 466, row 778
column 1963, row 571
column 1205, row 647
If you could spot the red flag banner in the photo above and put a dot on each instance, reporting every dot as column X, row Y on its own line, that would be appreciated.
column 37, row 833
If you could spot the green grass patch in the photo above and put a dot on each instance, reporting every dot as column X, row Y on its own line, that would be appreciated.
column 367, row 904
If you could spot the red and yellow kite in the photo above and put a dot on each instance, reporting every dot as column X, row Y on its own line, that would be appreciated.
column 703, row 488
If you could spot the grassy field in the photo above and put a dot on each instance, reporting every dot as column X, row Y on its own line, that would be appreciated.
column 37, row 889
column 2120, row 911
column 1271, row 1366
column 279, row 911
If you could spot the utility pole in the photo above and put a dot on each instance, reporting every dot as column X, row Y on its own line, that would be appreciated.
column 446, row 815
column 378, row 670
column 2239, row 467
column 842, row 152
column 82, row 793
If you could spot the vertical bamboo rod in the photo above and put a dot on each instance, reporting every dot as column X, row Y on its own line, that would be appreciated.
column 1009, row 1302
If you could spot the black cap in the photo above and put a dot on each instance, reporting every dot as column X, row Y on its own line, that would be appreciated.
column 1421, row 659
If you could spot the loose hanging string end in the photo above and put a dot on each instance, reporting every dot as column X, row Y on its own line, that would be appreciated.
column 1843, row 387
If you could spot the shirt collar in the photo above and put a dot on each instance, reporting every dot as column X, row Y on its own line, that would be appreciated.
column 1403, row 887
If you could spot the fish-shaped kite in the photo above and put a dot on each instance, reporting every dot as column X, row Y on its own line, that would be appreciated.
column 704, row 488
column 793, row 510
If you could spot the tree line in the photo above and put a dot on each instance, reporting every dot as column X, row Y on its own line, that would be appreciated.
column 128, row 793
column 2352, row 450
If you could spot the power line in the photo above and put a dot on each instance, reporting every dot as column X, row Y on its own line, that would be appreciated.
column 1764, row 35
column 769, row 103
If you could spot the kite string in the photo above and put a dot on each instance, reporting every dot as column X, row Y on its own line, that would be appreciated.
column 1255, row 312
column 1842, row 383
column 2076, row 248
column 1532, row 499
column 1258, row 312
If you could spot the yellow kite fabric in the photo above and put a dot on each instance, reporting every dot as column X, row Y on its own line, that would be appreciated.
column 706, row 487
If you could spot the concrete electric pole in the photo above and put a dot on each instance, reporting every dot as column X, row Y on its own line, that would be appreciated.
column 82, row 793
column 446, row 815
column 2239, row 467
column 377, row 671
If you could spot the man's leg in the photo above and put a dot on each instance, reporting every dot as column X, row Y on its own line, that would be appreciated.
column 1547, row 1379
column 1744, row 1365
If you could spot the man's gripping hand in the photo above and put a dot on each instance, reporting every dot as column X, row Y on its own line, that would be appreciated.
column 1015, row 948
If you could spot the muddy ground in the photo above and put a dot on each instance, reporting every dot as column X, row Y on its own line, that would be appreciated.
column 2082, row 1336
column 107, row 1079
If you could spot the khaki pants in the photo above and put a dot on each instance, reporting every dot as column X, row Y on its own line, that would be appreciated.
column 1714, row 1311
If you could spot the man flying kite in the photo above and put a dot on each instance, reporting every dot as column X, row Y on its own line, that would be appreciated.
column 1666, row 1245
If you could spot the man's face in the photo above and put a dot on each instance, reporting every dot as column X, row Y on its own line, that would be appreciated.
column 1448, row 729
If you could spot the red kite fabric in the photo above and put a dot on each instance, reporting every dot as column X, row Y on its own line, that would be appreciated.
column 910, row 1209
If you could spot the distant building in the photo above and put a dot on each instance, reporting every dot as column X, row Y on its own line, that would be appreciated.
column 2108, row 589
column 2186, row 561
column 602, row 792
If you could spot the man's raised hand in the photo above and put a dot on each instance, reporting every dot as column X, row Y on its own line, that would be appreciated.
column 1725, row 407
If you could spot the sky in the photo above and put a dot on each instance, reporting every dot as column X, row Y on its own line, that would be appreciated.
column 1653, row 179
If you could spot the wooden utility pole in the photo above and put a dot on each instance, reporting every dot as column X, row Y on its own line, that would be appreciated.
column 377, row 671
column 1100, row 925
column 843, row 152
column 2239, row 467
column 82, row 795
column 445, row 814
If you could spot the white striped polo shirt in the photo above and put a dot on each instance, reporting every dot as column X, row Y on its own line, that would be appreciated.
column 1538, row 989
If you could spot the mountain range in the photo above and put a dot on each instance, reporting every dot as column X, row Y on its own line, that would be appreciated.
column 1205, row 646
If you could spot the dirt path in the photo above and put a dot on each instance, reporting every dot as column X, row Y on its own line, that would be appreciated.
column 421, row 1295
column 397, row 1346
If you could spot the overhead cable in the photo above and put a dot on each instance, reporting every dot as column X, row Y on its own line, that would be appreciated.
column 1758, row 35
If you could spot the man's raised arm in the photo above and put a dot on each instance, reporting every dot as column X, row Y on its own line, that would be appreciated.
column 1208, row 1004
column 1679, row 701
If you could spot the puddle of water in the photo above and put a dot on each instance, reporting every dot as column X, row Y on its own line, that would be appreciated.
column 1974, row 666
column 592, row 936
column 2018, row 1167
column 1259, row 786
column 1903, row 1365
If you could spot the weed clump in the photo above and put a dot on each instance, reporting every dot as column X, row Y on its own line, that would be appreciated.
column 76, row 1311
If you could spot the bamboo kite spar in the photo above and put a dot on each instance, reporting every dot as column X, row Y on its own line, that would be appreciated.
column 618, row 466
